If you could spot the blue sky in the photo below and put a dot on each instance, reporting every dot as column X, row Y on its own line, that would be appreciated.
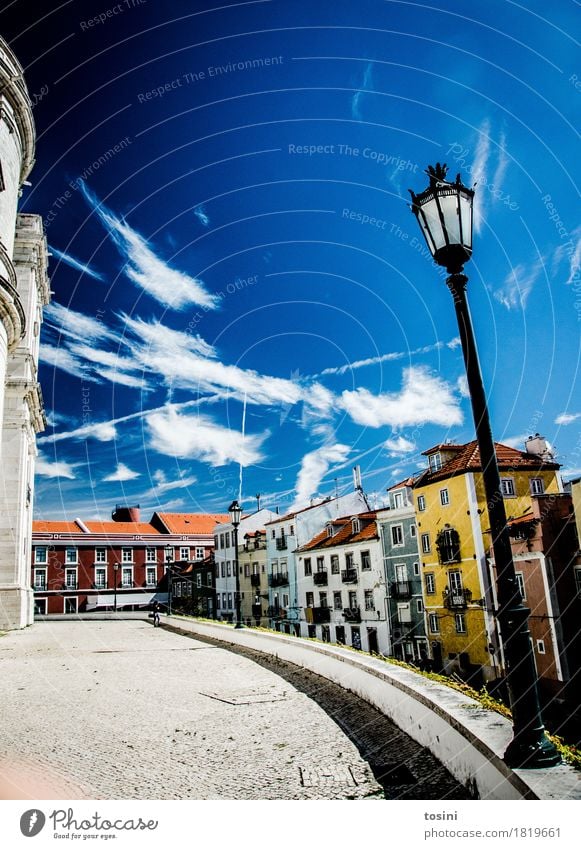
column 242, row 299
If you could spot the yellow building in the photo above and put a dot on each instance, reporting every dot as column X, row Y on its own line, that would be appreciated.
column 452, row 520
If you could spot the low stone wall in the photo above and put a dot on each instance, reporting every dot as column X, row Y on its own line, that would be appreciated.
column 464, row 736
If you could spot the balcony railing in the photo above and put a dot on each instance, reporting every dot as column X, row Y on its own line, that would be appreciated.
column 255, row 580
column 320, row 578
column 456, row 599
column 281, row 544
column 401, row 589
column 352, row 614
column 278, row 579
column 276, row 613
column 349, row 576
column 317, row 615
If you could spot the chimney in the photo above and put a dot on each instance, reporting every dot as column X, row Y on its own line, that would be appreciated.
column 538, row 445
column 124, row 513
column 357, row 478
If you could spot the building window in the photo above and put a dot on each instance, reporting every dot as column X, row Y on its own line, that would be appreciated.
column 320, row 564
column 537, row 486
column 216, row 541
column 308, row 567
column 323, row 599
column 228, row 569
column 444, row 497
column 433, row 623
column 396, row 535
column 273, row 533
column 199, row 552
column 369, row 602
column 430, row 583
column 521, row 585
column 227, row 539
column 416, row 570
column 507, row 487
column 217, row 601
column 355, row 526
column 426, row 548
column 541, row 646
column 365, row 561
column 349, row 560
column 397, row 500
column 127, row 555
column 435, row 462
column 329, row 530
column 310, row 599
column 455, row 583
column 71, row 579
column 70, row 605
column 413, row 531
column 448, row 545
column 184, row 553
column 209, row 580
column 224, row 600
column 221, row 540
column 40, row 606
column 127, row 576
column 291, row 531
column 40, row 579
column 247, row 570
column 353, row 600
column 199, row 580
column 337, row 601
column 71, row 555
column 419, row 605
column 223, row 570
column 356, row 638
column 334, row 564
column 150, row 555
column 150, row 576
column 40, row 554
column 100, row 578
column 229, row 601
column 421, row 503
column 460, row 622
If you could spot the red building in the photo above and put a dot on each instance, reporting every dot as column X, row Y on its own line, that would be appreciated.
column 82, row 566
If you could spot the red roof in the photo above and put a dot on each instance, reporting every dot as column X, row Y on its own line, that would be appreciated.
column 193, row 523
column 112, row 528
column 468, row 460
column 40, row 526
column 406, row 482
column 344, row 535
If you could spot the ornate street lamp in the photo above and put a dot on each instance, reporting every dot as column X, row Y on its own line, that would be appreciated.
column 235, row 512
column 444, row 213
column 169, row 554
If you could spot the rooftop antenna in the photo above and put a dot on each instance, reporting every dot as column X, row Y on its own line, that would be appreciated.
column 336, row 487
column 257, row 496
column 357, row 478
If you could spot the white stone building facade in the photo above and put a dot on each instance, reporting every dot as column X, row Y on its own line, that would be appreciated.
column 24, row 290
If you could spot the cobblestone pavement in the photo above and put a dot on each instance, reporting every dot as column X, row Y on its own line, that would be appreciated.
column 120, row 710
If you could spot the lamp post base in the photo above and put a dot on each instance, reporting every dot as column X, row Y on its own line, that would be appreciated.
column 531, row 751
column 238, row 625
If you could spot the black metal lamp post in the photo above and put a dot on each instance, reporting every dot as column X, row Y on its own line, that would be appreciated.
column 235, row 512
column 169, row 554
column 444, row 213
column 115, row 570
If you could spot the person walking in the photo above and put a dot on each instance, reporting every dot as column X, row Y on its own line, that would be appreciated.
column 156, row 619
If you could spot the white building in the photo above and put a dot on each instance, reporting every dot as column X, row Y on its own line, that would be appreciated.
column 225, row 558
column 24, row 290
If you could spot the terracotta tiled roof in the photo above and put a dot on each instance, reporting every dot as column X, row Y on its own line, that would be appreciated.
column 344, row 535
column 112, row 528
column 468, row 460
column 443, row 446
column 406, row 482
column 40, row 526
column 193, row 523
column 251, row 534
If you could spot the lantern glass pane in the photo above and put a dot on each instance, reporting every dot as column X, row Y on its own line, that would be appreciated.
column 466, row 217
column 449, row 204
column 433, row 224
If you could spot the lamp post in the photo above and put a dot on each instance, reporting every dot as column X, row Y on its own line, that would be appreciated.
column 444, row 213
column 235, row 512
column 115, row 570
column 168, row 561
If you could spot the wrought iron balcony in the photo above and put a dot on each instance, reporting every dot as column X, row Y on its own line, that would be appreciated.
column 276, row 613
column 281, row 544
column 352, row 614
column 278, row 579
column 255, row 580
column 349, row 576
column 456, row 599
column 401, row 589
column 320, row 578
column 317, row 615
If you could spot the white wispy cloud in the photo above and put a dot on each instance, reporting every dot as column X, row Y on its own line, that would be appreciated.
column 567, row 418
column 77, row 325
column 201, row 215
column 462, row 384
column 479, row 169
column 570, row 251
column 501, row 163
column 122, row 473
column 101, row 431
column 54, row 468
column 170, row 287
column 162, row 485
column 314, row 467
column 356, row 99
column 518, row 284
column 392, row 356
column 198, row 437
column 424, row 398
column 77, row 264
column 62, row 359
column 398, row 446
